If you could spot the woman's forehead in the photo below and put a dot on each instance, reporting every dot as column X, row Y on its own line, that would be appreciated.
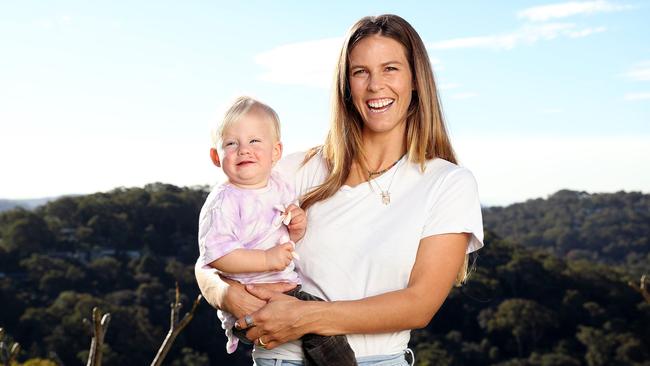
column 377, row 48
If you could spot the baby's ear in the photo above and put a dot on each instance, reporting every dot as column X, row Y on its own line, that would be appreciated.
column 214, row 156
column 277, row 152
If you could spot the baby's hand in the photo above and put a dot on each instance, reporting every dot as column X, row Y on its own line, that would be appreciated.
column 279, row 257
column 298, row 224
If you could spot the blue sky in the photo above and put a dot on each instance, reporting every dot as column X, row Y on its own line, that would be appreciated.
column 538, row 96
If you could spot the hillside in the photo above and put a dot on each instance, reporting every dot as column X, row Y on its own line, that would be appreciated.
column 123, row 251
column 612, row 228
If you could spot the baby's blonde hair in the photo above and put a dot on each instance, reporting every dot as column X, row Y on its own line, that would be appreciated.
column 239, row 108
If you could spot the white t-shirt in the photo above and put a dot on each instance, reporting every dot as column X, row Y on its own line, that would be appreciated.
column 356, row 246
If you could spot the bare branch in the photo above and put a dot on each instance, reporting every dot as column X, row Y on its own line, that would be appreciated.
column 99, row 328
column 8, row 353
column 175, row 327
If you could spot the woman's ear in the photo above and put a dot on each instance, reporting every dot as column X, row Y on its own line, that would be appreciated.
column 214, row 156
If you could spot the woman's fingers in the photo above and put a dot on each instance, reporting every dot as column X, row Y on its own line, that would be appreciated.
column 263, row 294
column 254, row 297
column 265, row 342
column 260, row 292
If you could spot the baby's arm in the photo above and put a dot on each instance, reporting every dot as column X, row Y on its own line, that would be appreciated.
column 255, row 260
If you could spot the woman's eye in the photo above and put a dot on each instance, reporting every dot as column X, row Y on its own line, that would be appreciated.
column 391, row 68
column 358, row 72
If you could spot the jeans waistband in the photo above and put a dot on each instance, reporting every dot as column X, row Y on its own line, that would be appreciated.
column 395, row 357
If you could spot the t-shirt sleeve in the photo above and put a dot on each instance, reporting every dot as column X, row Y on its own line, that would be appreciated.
column 220, row 234
column 456, row 209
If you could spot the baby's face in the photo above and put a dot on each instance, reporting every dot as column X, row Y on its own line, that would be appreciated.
column 249, row 151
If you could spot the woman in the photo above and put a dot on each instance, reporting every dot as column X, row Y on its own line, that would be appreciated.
column 391, row 217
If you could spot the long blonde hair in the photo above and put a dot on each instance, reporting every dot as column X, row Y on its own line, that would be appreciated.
column 426, row 135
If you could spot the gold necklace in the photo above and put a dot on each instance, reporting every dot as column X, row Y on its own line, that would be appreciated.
column 380, row 172
column 385, row 194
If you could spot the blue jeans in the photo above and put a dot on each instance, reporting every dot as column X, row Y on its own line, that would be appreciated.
column 383, row 360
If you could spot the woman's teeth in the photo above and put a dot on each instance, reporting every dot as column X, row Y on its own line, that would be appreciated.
column 380, row 103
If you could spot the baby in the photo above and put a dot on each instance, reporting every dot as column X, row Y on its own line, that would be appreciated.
column 248, row 226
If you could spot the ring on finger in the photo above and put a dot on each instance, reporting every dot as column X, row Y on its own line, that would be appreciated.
column 248, row 319
column 262, row 344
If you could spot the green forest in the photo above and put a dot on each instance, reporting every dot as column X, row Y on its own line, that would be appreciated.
column 558, row 283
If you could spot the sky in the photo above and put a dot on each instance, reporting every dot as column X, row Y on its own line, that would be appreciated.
column 537, row 96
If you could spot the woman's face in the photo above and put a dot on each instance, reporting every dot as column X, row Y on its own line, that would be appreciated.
column 381, row 83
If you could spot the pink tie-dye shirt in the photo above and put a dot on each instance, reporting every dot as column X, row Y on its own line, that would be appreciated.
column 234, row 218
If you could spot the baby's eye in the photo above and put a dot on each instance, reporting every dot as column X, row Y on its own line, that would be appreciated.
column 229, row 143
column 255, row 141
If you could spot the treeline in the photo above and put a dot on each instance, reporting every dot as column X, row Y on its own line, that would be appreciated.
column 123, row 251
column 612, row 228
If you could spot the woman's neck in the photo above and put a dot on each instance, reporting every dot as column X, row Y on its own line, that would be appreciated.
column 382, row 150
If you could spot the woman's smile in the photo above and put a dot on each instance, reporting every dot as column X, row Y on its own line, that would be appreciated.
column 379, row 105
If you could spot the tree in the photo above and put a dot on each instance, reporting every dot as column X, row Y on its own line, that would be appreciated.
column 525, row 319
column 27, row 234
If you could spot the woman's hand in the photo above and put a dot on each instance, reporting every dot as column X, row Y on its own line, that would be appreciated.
column 231, row 296
column 240, row 302
column 281, row 320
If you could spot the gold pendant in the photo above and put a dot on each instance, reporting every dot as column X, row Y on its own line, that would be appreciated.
column 385, row 198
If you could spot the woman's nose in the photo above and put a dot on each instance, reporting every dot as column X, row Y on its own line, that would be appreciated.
column 375, row 83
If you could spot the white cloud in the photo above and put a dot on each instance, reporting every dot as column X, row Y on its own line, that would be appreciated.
column 640, row 72
column 528, row 34
column 306, row 63
column 586, row 32
column 637, row 96
column 564, row 10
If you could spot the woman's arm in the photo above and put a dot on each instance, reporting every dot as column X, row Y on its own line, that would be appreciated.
column 229, row 295
column 438, row 261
